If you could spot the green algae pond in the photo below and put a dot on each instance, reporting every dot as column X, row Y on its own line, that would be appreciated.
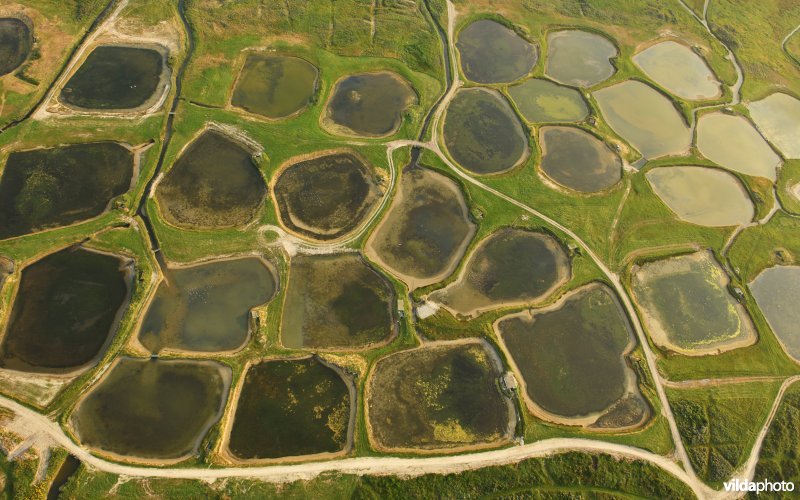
column 704, row 196
column 425, row 231
column 152, row 408
column 206, row 307
column 577, row 160
column 55, row 187
column 732, row 142
column 482, row 132
column 328, row 196
column 777, row 116
column 16, row 41
column 290, row 408
column 213, row 184
column 336, row 301
column 776, row 290
column 542, row 101
column 115, row 77
column 275, row 86
column 66, row 311
column 680, row 70
column 369, row 104
column 579, row 58
column 510, row 267
column 438, row 397
column 492, row 53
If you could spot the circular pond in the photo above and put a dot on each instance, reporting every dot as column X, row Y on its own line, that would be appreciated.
column 492, row 53
column 543, row 101
column 680, row 70
column 579, row 58
column 275, row 86
column 578, row 160
column 776, row 290
column 16, row 41
column 731, row 141
column 777, row 116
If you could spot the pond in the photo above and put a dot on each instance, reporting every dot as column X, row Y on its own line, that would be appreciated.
column 510, row 267
column 577, row 160
column 777, row 116
column 290, row 408
column 153, row 409
column 336, row 301
column 54, row 187
column 16, row 41
column 66, row 310
column 492, row 53
column 206, row 307
column 645, row 118
column 369, row 104
column 328, row 196
column 704, row 196
column 213, row 184
column 275, row 86
column 732, row 142
column 482, row 132
column 115, row 77
column 543, row 101
column 680, row 70
column 425, row 231
column 776, row 290
column 579, row 58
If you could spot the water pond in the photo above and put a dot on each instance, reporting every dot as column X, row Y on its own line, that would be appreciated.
column 16, row 41
column 543, row 101
column 492, row 53
column 680, row 70
column 579, row 58
column 776, row 290
column 275, row 86
column 578, row 160
column 733, row 142
column 777, row 116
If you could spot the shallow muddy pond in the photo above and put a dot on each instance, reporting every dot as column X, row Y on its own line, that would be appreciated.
column 778, row 118
column 207, row 307
column 16, row 41
column 578, row 160
column 153, row 408
column 370, row 104
column 437, row 397
column 544, row 101
column 512, row 266
column 776, row 290
column 705, row 196
column 426, row 229
column 336, row 301
column 213, row 184
column 290, row 408
column 492, row 53
column 579, row 58
column 679, row 69
column 687, row 307
column 115, row 77
column 65, row 311
column 275, row 86
column 483, row 133
column 328, row 196
column 46, row 188
column 732, row 142
column 571, row 355
column 645, row 118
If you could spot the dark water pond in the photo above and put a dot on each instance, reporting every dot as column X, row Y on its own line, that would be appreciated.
column 275, row 86
column 578, row 160
column 371, row 104
column 493, row 53
column 16, row 41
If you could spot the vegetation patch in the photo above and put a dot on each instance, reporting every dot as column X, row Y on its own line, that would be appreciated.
column 781, row 447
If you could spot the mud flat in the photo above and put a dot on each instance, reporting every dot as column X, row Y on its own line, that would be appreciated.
column 439, row 396
column 776, row 290
column 55, row 187
column 571, row 358
column 426, row 230
column 542, row 101
column 732, row 142
column 687, row 308
column 510, row 267
column 492, row 53
column 680, row 70
column 777, row 116
column 326, row 197
column 579, row 58
column 275, row 86
column 66, row 311
column 206, row 307
column 16, row 41
column 704, row 196
column 577, row 160
column 213, row 184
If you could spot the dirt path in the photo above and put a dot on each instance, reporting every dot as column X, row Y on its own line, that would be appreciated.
column 716, row 382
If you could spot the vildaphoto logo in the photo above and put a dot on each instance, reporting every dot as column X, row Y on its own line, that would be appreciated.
column 758, row 487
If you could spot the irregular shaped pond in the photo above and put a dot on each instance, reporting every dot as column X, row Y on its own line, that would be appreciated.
column 510, row 267
column 153, row 409
column 336, row 301
column 492, row 53
column 326, row 197
column 645, row 118
column 66, row 310
column 579, row 58
column 776, row 290
column 213, row 184
column 777, row 116
column 289, row 408
column 206, row 307
column 275, row 86
column 543, row 101
column 16, row 41
column 678, row 69
column 731, row 141
column 426, row 230
column 369, row 104
column 482, row 132
column 578, row 160
column 705, row 196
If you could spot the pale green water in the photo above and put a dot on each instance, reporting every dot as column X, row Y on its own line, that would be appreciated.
column 777, row 116
column 732, row 142
column 579, row 58
column 544, row 101
column 678, row 69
